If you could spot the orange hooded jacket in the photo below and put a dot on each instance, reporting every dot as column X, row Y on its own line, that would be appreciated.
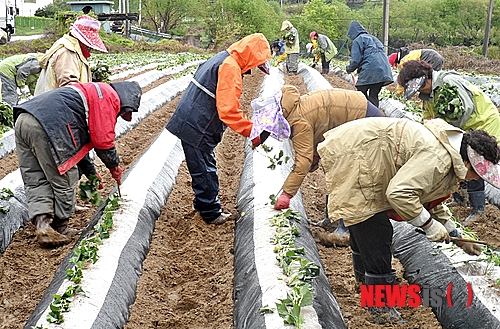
column 244, row 55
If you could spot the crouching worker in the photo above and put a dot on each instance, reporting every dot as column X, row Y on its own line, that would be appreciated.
column 378, row 166
column 310, row 116
column 54, row 131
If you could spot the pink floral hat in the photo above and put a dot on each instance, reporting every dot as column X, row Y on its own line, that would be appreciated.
column 86, row 29
column 486, row 169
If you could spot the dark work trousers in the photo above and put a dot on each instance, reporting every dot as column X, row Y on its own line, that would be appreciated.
column 205, row 182
column 371, row 91
column 372, row 239
column 325, row 65
column 476, row 185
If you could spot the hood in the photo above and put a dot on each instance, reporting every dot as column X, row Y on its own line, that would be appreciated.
column 290, row 99
column 286, row 25
column 129, row 93
column 355, row 29
column 251, row 51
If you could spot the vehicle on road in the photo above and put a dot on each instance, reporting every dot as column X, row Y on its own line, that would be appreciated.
column 117, row 26
column 8, row 10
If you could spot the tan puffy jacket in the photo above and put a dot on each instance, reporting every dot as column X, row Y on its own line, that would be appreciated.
column 376, row 164
column 63, row 64
column 310, row 116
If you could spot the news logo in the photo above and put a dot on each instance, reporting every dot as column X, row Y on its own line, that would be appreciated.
column 411, row 295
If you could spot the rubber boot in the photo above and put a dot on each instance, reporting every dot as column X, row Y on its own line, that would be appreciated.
column 341, row 234
column 325, row 222
column 61, row 226
column 359, row 267
column 477, row 202
column 46, row 236
column 382, row 315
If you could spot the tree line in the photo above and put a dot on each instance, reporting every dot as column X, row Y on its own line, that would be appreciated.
column 431, row 22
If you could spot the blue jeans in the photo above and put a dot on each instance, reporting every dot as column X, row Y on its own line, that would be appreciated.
column 205, row 182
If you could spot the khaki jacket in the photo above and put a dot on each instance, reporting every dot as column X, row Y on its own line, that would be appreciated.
column 310, row 116
column 376, row 164
column 62, row 65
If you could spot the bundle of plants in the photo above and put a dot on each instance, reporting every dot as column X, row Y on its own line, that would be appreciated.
column 6, row 117
column 448, row 104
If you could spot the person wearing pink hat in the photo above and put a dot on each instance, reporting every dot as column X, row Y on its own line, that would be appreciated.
column 325, row 49
column 66, row 63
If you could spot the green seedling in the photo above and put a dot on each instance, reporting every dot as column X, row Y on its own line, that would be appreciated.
column 89, row 190
column 448, row 104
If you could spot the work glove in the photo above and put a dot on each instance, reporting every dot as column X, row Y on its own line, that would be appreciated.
column 101, row 182
column 468, row 247
column 283, row 201
column 116, row 173
column 314, row 164
column 436, row 232
column 260, row 139
column 314, row 65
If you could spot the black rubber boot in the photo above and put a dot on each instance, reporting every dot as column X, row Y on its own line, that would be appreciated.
column 325, row 222
column 477, row 202
column 359, row 267
column 382, row 315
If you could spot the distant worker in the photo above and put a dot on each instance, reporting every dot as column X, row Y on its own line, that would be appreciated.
column 369, row 60
column 326, row 50
column 430, row 56
column 292, row 47
column 18, row 71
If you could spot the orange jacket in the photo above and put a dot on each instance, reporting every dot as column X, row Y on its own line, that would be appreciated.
column 244, row 55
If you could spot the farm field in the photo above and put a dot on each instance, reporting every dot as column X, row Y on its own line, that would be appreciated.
column 187, row 277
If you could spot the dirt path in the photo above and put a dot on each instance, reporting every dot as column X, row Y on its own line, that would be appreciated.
column 188, row 273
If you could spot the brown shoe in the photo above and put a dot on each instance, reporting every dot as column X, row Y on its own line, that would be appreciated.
column 46, row 236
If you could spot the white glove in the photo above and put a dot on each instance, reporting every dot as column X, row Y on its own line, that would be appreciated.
column 436, row 232
column 25, row 90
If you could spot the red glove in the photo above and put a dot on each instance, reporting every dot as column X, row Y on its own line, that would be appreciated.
column 283, row 201
column 101, row 182
column 255, row 142
column 116, row 173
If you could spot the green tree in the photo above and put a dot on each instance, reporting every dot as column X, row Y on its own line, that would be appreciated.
column 166, row 15
column 50, row 10
column 230, row 20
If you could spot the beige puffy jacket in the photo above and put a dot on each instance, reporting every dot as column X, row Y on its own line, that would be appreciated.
column 310, row 116
column 376, row 164
column 62, row 65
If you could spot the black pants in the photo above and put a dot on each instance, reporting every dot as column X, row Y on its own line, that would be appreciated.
column 372, row 239
column 371, row 92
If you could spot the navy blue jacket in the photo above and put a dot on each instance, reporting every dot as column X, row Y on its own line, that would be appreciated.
column 196, row 120
column 368, row 57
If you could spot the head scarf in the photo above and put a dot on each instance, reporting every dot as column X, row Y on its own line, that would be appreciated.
column 268, row 116
column 86, row 30
column 486, row 169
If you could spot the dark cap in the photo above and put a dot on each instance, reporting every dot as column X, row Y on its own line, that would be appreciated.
column 129, row 93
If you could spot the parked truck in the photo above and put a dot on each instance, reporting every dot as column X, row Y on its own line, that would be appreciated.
column 8, row 10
